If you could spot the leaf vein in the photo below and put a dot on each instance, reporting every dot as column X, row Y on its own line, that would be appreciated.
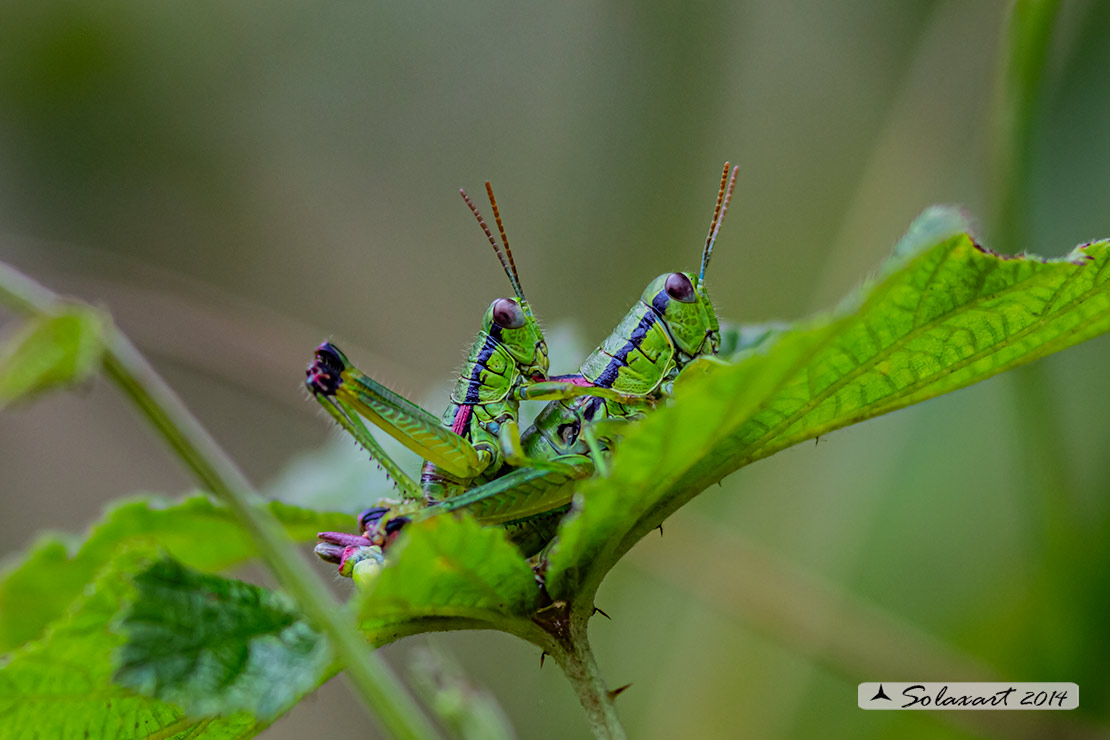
column 885, row 353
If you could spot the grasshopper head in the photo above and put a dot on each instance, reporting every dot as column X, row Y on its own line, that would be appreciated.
column 507, row 320
column 511, row 323
column 686, row 311
column 681, row 298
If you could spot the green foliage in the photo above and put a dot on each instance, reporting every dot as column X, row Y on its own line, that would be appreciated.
column 450, row 573
column 61, row 687
column 216, row 646
column 194, row 531
column 203, row 646
column 943, row 313
column 50, row 352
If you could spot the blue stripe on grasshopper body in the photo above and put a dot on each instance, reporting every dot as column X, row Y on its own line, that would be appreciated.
column 637, row 353
column 474, row 380
column 504, row 357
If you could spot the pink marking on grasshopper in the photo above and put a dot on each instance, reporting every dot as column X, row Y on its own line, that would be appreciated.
column 462, row 416
column 573, row 380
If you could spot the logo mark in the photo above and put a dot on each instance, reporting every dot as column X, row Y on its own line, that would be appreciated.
column 880, row 694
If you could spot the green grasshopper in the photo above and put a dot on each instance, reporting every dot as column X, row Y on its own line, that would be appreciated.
column 672, row 325
column 463, row 447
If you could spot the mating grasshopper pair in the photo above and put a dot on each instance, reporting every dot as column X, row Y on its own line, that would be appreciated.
column 476, row 458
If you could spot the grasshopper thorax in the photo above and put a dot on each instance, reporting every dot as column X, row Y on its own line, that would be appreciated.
column 684, row 306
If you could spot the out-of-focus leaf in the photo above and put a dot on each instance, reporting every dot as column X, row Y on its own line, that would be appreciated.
column 51, row 352
column 468, row 710
column 194, row 531
column 943, row 313
column 60, row 687
column 740, row 340
column 217, row 646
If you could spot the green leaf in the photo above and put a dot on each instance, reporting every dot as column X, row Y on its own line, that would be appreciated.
column 51, row 352
column 195, row 531
column 449, row 573
column 217, row 646
column 61, row 687
column 944, row 313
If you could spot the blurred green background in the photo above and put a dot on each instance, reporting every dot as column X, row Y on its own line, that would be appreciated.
column 238, row 181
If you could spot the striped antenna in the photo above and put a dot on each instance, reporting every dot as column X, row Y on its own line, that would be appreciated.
column 506, row 262
column 724, row 195
column 511, row 271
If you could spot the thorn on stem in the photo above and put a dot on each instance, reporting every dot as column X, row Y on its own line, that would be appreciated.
column 543, row 654
column 618, row 691
column 660, row 528
column 598, row 611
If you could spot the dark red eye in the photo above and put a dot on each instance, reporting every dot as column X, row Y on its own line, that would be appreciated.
column 680, row 288
column 507, row 314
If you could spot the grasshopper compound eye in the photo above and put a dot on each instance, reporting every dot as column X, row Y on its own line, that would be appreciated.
column 680, row 288
column 507, row 314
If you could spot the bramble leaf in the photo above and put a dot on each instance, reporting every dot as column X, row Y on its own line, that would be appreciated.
column 60, row 687
column 194, row 531
column 942, row 314
column 449, row 573
column 217, row 646
column 51, row 352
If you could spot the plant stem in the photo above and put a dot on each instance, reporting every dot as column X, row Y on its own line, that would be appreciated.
column 374, row 680
column 571, row 649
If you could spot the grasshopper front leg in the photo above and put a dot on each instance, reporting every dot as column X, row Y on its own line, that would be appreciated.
column 574, row 386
